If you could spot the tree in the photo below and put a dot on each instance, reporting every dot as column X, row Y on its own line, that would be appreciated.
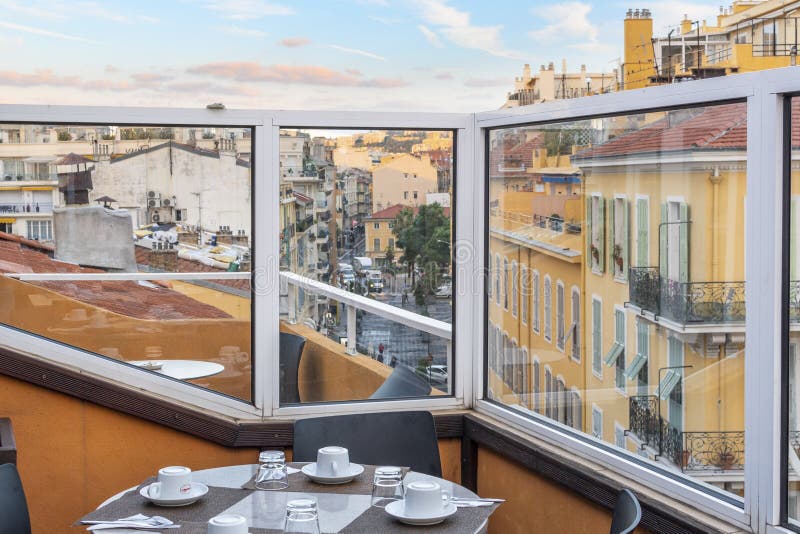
column 425, row 240
column 64, row 136
column 402, row 232
column 389, row 256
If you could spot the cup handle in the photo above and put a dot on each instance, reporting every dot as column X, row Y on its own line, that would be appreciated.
column 154, row 490
column 446, row 498
column 334, row 468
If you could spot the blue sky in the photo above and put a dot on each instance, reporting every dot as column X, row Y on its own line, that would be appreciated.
column 420, row 55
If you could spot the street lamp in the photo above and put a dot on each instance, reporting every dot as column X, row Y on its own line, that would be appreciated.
column 658, row 400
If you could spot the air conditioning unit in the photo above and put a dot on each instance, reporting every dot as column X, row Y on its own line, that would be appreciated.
column 152, row 203
column 166, row 203
column 156, row 217
column 154, row 195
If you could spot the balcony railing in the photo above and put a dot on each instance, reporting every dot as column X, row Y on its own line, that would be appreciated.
column 686, row 302
column 26, row 207
column 28, row 177
column 305, row 224
column 691, row 451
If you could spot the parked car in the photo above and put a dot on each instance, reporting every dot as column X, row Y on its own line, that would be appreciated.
column 436, row 374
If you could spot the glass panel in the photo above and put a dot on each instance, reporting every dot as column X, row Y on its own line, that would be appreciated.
column 366, row 234
column 644, row 215
column 110, row 201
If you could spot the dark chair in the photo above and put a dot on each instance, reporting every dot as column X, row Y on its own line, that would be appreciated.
column 406, row 439
column 291, row 351
column 403, row 382
column 14, row 518
column 627, row 513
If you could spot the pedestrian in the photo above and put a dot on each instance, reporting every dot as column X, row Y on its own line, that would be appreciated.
column 380, row 357
column 405, row 298
column 393, row 363
column 381, row 348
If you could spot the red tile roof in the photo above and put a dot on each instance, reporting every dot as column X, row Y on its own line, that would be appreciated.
column 189, row 266
column 393, row 211
column 513, row 151
column 125, row 298
column 714, row 127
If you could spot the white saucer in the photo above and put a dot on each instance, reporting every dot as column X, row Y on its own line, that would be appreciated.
column 397, row 509
column 198, row 490
column 310, row 470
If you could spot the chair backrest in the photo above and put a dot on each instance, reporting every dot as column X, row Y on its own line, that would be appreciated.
column 403, row 382
column 14, row 517
column 627, row 513
column 291, row 350
column 406, row 439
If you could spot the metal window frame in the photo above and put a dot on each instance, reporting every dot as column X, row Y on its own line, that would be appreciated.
column 764, row 92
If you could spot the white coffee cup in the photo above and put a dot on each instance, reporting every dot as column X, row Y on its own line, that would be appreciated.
column 424, row 498
column 227, row 524
column 174, row 482
column 332, row 461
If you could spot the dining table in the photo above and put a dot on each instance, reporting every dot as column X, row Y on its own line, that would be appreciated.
column 343, row 508
column 181, row 369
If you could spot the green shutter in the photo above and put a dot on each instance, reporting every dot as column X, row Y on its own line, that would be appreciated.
column 793, row 243
column 596, row 335
column 684, row 242
column 611, row 237
column 641, row 233
column 625, row 238
column 662, row 242
column 601, row 234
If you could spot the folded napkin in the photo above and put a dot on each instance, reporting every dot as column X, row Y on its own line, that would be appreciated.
column 138, row 522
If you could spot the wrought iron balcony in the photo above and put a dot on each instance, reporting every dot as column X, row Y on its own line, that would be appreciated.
column 691, row 451
column 686, row 302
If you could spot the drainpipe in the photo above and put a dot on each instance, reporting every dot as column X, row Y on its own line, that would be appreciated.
column 715, row 179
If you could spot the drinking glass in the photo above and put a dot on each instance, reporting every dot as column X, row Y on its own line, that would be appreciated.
column 387, row 486
column 272, row 474
column 302, row 516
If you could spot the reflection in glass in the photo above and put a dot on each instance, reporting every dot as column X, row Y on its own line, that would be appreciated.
column 632, row 227
column 365, row 261
column 103, row 200
column 793, row 363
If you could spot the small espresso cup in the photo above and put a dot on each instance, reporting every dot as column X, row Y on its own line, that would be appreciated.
column 227, row 524
column 424, row 498
column 174, row 482
column 332, row 461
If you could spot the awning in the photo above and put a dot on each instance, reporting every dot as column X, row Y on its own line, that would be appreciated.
column 37, row 188
column 7, row 220
column 613, row 354
column 668, row 383
column 636, row 365
column 549, row 178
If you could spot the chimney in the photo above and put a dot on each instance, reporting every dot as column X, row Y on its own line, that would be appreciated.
column 526, row 73
column 686, row 25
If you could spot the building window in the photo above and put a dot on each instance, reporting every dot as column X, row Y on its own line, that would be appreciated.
column 376, row 244
column 561, row 399
column 40, row 230
column 577, row 410
column 497, row 272
column 536, row 303
column 505, row 283
column 638, row 367
column 642, row 232
column 548, row 312
column 525, row 293
column 536, row 385
column 522, row 371
column 618, row 237
column 596, row 232
column 616, row 354
column 560, row 321
column 405, row 195
column 574, row 332
column 514, row 288
column 391, row 242
column 548, row 392
column 619, row 435
column 597, row 422
column 376, row 226
column 416, row 195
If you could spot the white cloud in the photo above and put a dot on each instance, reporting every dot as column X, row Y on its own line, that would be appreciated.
column 566, row 21
column 247, row 9
column 357, row 52
column 46, row 33
column 388, row 21
column 241, row 32
column 36, row 9
column 456, row 27
column 430, row 35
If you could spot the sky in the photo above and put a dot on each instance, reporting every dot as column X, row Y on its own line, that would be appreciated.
column 387, row 55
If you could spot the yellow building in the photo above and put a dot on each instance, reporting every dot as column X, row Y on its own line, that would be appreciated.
column 748, row 36
column 405, row 180
column 379, row 234
column 551, row 85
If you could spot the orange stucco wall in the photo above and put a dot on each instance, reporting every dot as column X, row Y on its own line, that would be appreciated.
column 72, row 455
column 533, row 503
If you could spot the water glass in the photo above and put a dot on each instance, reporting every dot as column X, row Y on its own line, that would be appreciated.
column 387, row 486
column 272, row 474
column 302, row 516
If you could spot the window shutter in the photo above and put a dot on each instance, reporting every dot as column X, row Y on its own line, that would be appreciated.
column 596, row 336
column 611, row 237
column 662, row 242
column 588, row 228
column 684, row 242
column 625, row 238
column 601, row 234
column 793, row 237
column 641, row 233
